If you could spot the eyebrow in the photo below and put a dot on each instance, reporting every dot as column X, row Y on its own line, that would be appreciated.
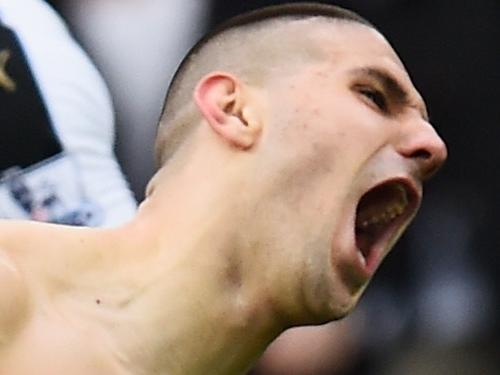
column 392, row 87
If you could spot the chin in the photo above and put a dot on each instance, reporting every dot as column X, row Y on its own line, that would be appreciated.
column 334, row 312
column 335, row 302
column 344, row 303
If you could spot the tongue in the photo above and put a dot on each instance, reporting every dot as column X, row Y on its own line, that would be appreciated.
column 364, row 242
column 366, row 237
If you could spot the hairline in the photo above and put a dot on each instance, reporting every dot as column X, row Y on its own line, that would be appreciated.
column 293, row 11
column 283, row 12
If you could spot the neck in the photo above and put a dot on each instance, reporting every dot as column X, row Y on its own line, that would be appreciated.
column 201, row 309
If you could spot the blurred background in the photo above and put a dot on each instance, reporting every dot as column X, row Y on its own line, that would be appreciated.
column 433, row 307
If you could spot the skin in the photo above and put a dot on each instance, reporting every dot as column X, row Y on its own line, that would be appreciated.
column 203, row 279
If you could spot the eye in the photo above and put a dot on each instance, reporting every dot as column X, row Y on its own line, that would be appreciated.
column 375, row 96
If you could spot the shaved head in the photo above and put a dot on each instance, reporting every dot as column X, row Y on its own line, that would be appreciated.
column 255, row 46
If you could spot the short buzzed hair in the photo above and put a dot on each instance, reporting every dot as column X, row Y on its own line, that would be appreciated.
column 254, row 40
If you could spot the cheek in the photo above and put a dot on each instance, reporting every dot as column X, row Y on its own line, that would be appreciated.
column 317, row 160
column 320, row 150
column 345, row 137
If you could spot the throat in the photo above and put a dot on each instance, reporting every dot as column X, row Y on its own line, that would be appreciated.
column 187, row 327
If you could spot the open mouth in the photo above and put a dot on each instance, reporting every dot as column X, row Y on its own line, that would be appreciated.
column 381, row 215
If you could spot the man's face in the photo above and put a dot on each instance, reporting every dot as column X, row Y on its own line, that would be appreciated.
column 350, row 145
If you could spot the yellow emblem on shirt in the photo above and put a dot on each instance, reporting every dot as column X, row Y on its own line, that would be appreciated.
column 6, row 82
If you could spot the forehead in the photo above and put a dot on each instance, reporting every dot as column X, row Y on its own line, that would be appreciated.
column 353, row 48
column 350, row 43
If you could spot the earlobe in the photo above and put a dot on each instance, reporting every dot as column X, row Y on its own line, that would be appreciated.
column 221, row 100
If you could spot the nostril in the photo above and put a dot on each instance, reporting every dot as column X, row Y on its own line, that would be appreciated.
column 428, row 161
column 421, row 154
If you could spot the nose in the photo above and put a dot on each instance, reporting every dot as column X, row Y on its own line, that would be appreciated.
column 425, row 147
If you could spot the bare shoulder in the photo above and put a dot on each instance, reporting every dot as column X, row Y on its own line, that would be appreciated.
column 13, row 237
column 29, row 239
column 32, row 257
column 14, row 298
column 17, row 241
column 15, row 231
column 16, row 237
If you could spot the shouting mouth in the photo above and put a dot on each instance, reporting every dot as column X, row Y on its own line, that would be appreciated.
column 382, row 214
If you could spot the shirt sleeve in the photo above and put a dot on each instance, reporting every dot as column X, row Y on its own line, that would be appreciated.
column 80, row 111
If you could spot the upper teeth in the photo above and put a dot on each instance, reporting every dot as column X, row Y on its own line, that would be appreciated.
column 391, row 211
column 389, row 214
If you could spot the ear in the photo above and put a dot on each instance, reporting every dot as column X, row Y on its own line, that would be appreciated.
column 221, row 99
